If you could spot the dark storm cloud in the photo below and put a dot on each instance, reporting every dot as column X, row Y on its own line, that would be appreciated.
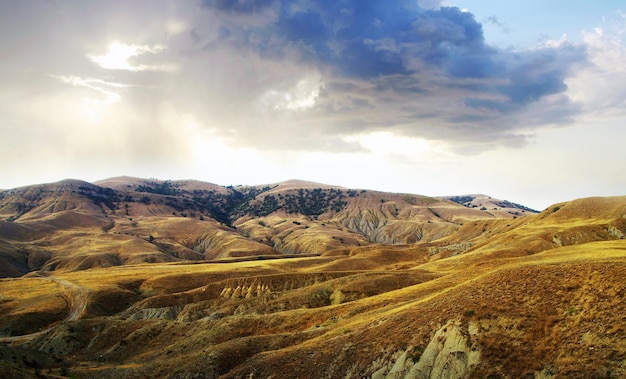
column 373, row 38
column 529, row 77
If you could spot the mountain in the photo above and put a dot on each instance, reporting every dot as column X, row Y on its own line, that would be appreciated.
column 182, row 279
column 497, row 207
column 74, row 225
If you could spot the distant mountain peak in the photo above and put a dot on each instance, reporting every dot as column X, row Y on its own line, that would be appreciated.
column 304, row 184
column 490, row 204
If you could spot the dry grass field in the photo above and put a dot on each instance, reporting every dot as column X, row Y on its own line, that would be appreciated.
column 383, row 286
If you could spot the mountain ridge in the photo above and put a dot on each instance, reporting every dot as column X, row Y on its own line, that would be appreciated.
column 131, row 220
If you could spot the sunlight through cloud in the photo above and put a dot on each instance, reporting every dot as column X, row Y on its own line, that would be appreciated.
column 119, row 54
column 92, row 107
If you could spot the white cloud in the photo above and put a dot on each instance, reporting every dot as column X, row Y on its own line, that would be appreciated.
column 555, row 43
column 298, row 98
column 92, row 107
column 97, row 85
column 118, row 57
column 175, row 26
column 601, row 85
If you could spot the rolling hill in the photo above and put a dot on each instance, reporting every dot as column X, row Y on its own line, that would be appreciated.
column 131, row 277
column 73, row 225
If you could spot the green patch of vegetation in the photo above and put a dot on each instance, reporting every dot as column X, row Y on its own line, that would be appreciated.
column 173, row 202
column 108, row 227
column 165, row 188
column 225, row 207
column 469, row 313
column 463, row 200
column 510, row 204
column 556, row 209
column 409, row 200
column 331, row 320
column 415, row 354
column 100, row 196
column 318, row 298
column 308, row 202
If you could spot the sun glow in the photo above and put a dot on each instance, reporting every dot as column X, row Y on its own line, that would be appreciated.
column 92, row 107
column 118, row 55
column 386, row 143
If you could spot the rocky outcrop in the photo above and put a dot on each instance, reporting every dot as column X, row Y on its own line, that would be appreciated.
column 452, row 249
column 615, row 232
column 246, row 292
column 451, row 353
column 393, row 232
column 165, row 313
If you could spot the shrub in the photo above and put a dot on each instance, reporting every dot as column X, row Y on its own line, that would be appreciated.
column 415, row 354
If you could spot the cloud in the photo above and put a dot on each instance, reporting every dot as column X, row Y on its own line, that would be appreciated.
column 118, row 55
column 96, row 85
column 416, row 72
column 495, row 21
column 280, row 75
column 239, row 6
column 601, row 85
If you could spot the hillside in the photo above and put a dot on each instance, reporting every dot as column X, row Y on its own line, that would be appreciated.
column 305, row 280
column 497, row 207
column 75, row 225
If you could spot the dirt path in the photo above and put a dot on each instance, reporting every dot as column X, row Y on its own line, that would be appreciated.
column 76, row 298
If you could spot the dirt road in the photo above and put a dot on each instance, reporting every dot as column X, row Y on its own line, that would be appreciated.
column 76, row 298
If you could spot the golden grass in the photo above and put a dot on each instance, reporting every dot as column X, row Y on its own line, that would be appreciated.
column 27, row 291
column 380, row 310
column 28, row 305
column 535, row 302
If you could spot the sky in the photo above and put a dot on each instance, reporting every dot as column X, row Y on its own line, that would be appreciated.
column 520, row 100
